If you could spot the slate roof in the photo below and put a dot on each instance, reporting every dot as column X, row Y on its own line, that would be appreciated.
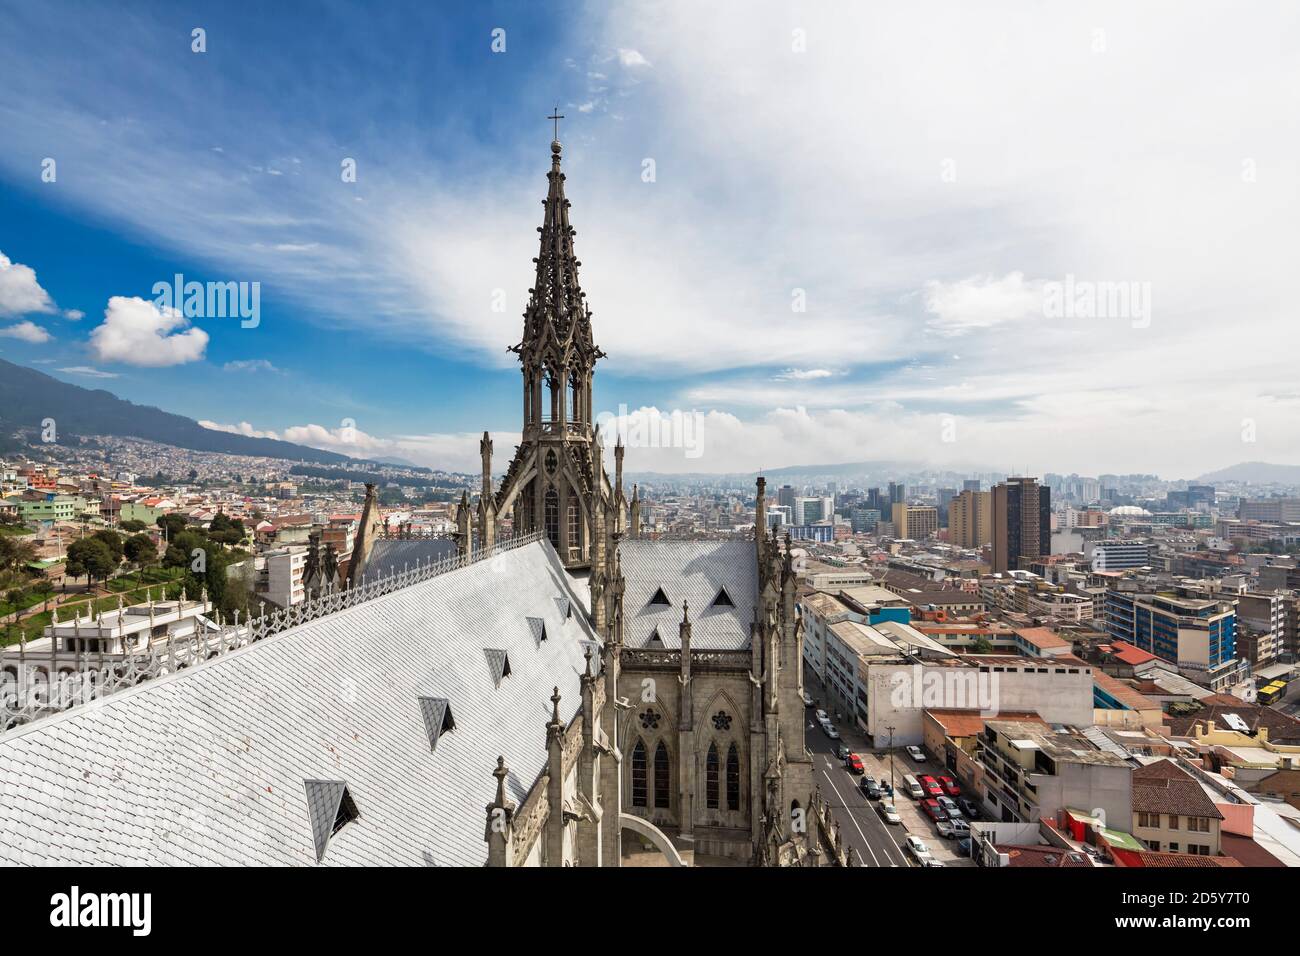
column 211, row 765
column 394, row 555
column 689, row 571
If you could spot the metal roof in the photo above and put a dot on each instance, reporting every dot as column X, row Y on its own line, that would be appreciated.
column 208, row 765
column 689, row 572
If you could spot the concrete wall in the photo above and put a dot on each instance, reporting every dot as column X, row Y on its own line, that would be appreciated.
column 897, row 696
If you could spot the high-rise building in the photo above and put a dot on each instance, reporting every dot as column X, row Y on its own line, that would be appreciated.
column 970, row 484
column 970, row 519
column 1276, row 510
column 897, row 492
column 1022, row 523
column 785, row 497
column 914, row 521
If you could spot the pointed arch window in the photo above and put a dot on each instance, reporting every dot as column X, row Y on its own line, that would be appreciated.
column 553, row 518
column 663, row 776
column 639, row 774
column 574, row 530
column 711, row 778
column 733, row 778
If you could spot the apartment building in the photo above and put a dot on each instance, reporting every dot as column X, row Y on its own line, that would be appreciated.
column 970, row 519
column 1117, row 555
column 1032, row 773
column 1172, row 813
column 916, row 522
column 1022, row 523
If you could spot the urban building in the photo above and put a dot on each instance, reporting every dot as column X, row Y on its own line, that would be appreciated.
column 1022, row 522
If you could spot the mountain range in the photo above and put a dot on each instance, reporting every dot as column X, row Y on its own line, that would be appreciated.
column 28, row 397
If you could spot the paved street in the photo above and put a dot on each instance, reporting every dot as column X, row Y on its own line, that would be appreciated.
column 872, row 841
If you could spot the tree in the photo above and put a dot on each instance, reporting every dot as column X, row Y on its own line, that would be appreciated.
column 90, row 558
column 982, row 646
column 132, row 525
column 172, row 524
column 140, row 550
column 112, row 539
column 15, row 554
column 45, row 588
column 193, row 474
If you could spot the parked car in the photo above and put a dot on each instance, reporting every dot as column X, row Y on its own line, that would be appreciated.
column 950, row 786
column 950, row 807
column 854, row 764
column 912, row 787
column 887, row 812
column 960, row 828
column 969, row 808
column 963, row 846
column 932, row 810
column 807, row 701
column 920, row 852
column 931, row 787
column 916, row 753
column 932, row 862
column 822, row 715
column 831, row 732
column 871, row 788
column 945, row 829
column 842, row 752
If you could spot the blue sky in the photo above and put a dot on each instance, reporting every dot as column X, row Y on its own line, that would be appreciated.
column 915, row 179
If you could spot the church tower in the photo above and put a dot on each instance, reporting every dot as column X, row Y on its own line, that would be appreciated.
column 556, row 483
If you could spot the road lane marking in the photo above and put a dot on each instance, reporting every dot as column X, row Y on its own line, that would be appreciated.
column 852, row 818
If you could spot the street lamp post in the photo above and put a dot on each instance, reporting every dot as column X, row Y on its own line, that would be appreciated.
column 891, row 757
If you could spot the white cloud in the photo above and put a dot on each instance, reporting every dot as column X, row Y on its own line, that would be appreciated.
column 803, row 374
column 137, row 332
column 88, row 372
column 250, row 365
column 26, row 331
column 20, row 293
column 243, row 428
column 981, row 302
column 73, row 315
column 631, row 58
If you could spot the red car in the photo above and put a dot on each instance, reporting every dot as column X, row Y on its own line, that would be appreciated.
column 931, row 786
column 854, row 763
column 950, row 787
column 933, row 810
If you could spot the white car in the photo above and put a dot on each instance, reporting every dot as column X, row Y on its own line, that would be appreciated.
column 947, row 829
column 916, row 753
column 821, row 715
column 920, row 852
column 931, row 861
column 831, row 732
column 887, row 812
column 950, row 807
column 807, row 701
column 960, row 828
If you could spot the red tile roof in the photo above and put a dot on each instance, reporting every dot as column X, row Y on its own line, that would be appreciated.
column 1127, row 653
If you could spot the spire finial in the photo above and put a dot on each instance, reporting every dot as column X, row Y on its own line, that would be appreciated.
column 500, row 773
column 555, row 118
